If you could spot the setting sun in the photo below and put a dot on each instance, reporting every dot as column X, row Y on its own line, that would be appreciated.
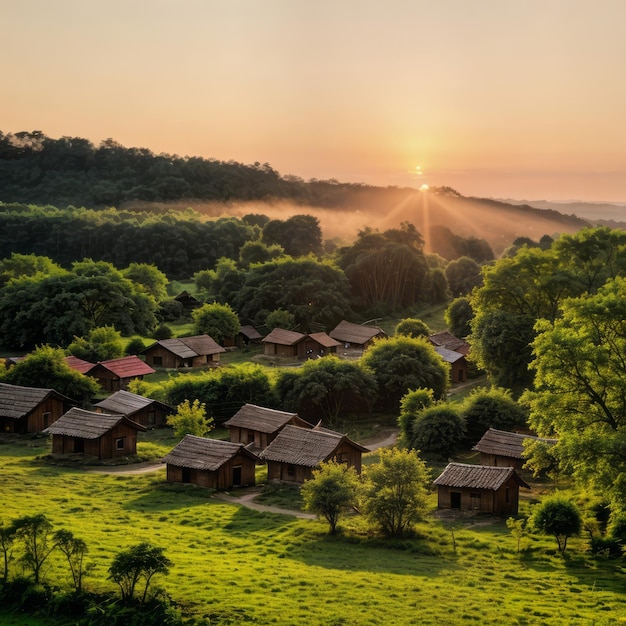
column 424, row 187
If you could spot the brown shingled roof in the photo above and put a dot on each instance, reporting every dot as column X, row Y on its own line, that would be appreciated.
column 446, row 339
column 503, row 443
column 284, row 337
column 127, row 403
column 204, row 454
column 17, row 401
column 259, row 418
column 461, row 475
column 250, row 332
column 325, row 340
column 87, row 424
column 355, row 333
column 189, row 347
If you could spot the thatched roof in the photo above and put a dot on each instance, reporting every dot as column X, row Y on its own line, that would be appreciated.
column 260, row 418
column 449, row 356
column 307, row 447
column 503, row 443
column 250, row 332
column 348, row 332
column 127, row 403
column 189, row 347
column 80, row 365
column 17, row 401
column 446, row 339
column 324, row 340
column 125, row 367
column 463, row 476
column 284, row 337
column 204, row 454
column 87, row 424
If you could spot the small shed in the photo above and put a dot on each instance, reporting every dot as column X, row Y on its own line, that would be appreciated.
column 501, row 448
column 282, row 342
column 248, row 335
column 445, row 339
column 457, row 362
column 193, row 351
column 145, row 411
column 30, row 409
column 101, row 435
column 115, row 374
column 479, row 488
column 316, row 345
column 257, row 426
column 296, row 452
column 358, row 336
column 210, row 463
column 188, row 301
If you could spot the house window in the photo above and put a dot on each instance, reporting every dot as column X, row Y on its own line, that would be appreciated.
column 475, row 501
column 46, row 419
column 151, row 417
column 250, row 436
column 341, row 457
column 119, row 443
column 291, row 471
column 157, row 360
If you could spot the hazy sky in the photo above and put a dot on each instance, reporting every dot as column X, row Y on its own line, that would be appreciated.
column 500, row 98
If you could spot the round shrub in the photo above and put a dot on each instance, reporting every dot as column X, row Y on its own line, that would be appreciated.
column 439, row 431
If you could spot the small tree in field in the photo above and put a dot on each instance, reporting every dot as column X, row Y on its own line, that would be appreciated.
column 559, row 517
column 190, row 419
column 395, row 491
column 142, row 561
column 518, row 530
column 331, row 492
column 35, row 533
column 74, row 550
column 7, row 537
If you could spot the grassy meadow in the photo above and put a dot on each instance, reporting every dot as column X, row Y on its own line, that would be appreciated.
column 234, row 565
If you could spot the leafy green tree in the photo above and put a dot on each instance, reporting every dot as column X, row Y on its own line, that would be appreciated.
column 217, row 320
column 557, row 516
column 134, row 346
column 331, row 492
column 412, row 327
column 45, row 367
column 518, row 530
column 458, row 317
column 74, row 550
column 403, row 363
column 298, row 235
column 279, row 318
column 463, row 275
column 8, row 533
column 411, row 406
column 395, row 491
column 438, row 430
column 100, row 344
column 138, row 563
column 26, row 265
column 35, row 532
column 150, row 279
column 258, row 252
column 190, row 419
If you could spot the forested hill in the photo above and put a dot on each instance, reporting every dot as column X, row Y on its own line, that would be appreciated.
column 71, row 171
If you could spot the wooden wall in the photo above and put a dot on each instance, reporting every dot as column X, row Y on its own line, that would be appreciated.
column 500, row 461
column 102, row 448
column 498, row 502
column 219, row 479
column 37, row 420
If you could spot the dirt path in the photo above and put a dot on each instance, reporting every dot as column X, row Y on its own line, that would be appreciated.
column 247, row 500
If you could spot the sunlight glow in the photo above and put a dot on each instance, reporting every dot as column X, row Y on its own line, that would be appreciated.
column 424, row 187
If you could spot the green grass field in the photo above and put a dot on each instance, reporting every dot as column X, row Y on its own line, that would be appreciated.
column 234, row 565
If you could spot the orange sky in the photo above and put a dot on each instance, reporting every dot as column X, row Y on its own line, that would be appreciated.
column 497, row 98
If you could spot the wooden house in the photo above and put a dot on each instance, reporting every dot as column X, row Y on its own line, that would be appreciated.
column 316, row 345
column 457, row 363
column 194, row 351
column 282, row 342
column 30, row 409
column 256, row 426
column 296, row 452
column 145, row 411
column 248, row 335
column 500, row 448
column 479, row 488
column 445, row 339
column 357, row 336
column 115, row 374
column 210, row 463
column 80, row 365
column 188, row 301
column 100, row 435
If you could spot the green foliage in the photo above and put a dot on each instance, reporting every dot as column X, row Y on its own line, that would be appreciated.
column 134, row 346
column 35, row 533
column 403, row 363
column 100, row 344
column 45, row 367
column 162, row 331
column 438, row 430
column 412, row 327
column 8, row 533
column 557, row 516
column 149, row 278
column 258, row 252
column 298, row 235
column 394, row 494
column 463, row 274
column 74, row 550
column 518, row 530
column 218, row 321
column 190, row 419
column 411, row 406
column 26, row 265
column 331, row 492
column 279, row 318
column 458, row 317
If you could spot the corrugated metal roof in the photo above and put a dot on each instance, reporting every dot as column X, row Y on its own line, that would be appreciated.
column 447, row 340
column 284, row 337
column 449, row 356
column 355, row 333
column 87, row 424
column 461, row 475
column 127, row 403
column 17, row 401
column 503, row 443
column 260, row 418
column 204, row 454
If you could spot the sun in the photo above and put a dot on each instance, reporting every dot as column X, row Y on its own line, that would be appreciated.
column 424, row 187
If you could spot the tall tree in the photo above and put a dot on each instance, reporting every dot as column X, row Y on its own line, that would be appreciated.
column 35, row 532
column 216, row 320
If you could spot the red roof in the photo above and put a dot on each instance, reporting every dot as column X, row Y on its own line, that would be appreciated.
column 126, row 367
column 78, row 364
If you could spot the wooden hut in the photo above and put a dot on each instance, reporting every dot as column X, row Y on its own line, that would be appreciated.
column 256, row 426
column 101, row 435
column 79, row 365
column 194, row 351
column 500, row 448
column 145, row 411
column 356, row 336
column 210, row 463
column 296, row 452
column 316, row 345
column 282, row 342
column 457, row 362
column 115, row 374
column 248, row 335
column 30, row 409
column 479, row 488
column 445, row 339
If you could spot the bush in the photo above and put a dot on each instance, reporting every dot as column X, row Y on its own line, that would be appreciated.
column 162, row 332
column 607, row 547
column 135, row 346
column 438, row 430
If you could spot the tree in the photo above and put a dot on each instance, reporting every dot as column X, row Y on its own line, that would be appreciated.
column 142, row 561
column 45, row 367
column 331, row 492
column 8, row 534
column 299, row 235
column 149, row 278
column 518, row 530
column 438, row 430
column 190, row 419
column 403, row 363
column 217, row 320
column 458, row 317
column 35, row 533
column 279, row 318
column 411, row 406
column 74, row 550
column 463, row 275
column 100, row 344
column 258, row 252
column 395, row 490
column 412, row 327
column 29, row 265
column 559, row 517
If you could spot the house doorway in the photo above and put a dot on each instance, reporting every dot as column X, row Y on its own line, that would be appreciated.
column 237, row 476
column 186, row 475
column 455, row 499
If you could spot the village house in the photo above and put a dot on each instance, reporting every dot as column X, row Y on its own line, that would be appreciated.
column 79, row 365
column 282, row 342
column 248, row 335
column 115, row 374
column 256, row 426
column 457, row 362
column 296, row 452
column 479, row 488
column 100, row 435
column 504, row 449
column 316, row 345
column 194, row 351
column 445, row 339
column 145, row 411
column 210, row 463
column 356, row 336
column 30, row 409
